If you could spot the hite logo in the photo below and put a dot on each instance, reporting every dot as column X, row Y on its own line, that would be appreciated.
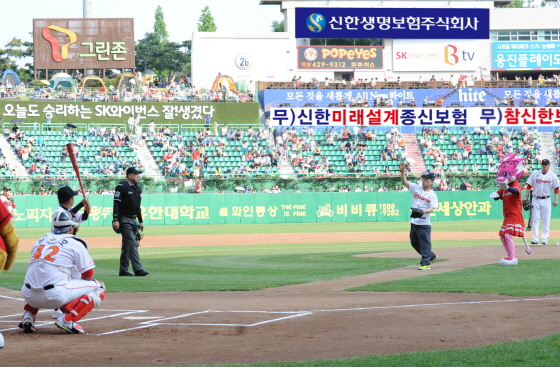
column 59, row 53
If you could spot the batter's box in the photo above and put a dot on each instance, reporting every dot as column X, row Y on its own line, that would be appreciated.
column 227, row 318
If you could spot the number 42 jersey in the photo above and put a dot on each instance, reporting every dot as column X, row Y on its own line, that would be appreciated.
column 54, row 256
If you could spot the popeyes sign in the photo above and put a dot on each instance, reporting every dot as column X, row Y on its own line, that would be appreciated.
column 83, row 43
column 340, row 57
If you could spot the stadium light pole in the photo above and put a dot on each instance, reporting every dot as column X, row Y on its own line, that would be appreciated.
column 87, row 14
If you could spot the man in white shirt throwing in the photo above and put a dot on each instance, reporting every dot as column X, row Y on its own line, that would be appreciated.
column 424, row 201
column 542, row 182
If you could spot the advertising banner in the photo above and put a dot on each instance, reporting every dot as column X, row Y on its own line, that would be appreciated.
column 114, row 112
column 467, row 97
column 340, row 57
column 526, row 55
column 456, row 116
column 403, row 23
column 80, row 43
column 309, row 207
column 430, row 55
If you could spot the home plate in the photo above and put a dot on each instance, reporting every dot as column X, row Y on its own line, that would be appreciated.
column 141, row 317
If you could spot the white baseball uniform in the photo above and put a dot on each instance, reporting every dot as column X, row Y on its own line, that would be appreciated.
column 47, row 281
column 7, row 203
column 543, row 186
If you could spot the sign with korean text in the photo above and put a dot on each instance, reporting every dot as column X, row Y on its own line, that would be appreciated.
column 429, row 55
column 526, row 55
column 309, row 207
column 340, row 57
column 83, row 43
column 491, row 116
column 403, row 23
column 111, row 113
column 465, row 97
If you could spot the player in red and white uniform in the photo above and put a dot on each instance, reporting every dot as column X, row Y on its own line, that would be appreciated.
column 48, row 282
column 543, row 182
column 7, row 200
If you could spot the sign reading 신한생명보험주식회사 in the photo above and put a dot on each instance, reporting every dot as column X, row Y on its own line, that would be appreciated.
column 395, row 23
column 83, row 43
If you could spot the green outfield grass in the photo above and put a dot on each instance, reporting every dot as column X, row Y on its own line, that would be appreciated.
column 453, row 226
column 251, row 267
column 540, row 352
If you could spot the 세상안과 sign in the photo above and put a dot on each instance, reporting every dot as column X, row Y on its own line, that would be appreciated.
column 83, row 43
column 340, row 57
column 396, row 23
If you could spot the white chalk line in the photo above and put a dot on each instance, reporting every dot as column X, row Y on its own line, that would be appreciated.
column 14, row 298
column 290, row 314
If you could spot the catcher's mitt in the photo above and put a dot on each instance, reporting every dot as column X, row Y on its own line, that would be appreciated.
column 139, row 235
column 527, row 204
column 416, row 213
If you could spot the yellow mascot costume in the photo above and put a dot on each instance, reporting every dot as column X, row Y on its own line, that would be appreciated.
column 8, row 245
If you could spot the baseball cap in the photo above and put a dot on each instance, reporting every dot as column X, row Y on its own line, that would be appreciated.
column 65, row 193
column 545, row 162
column 133, row 170
column 429, row 176
column 6, row 188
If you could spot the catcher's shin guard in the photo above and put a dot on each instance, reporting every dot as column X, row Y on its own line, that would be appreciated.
column 78, row 308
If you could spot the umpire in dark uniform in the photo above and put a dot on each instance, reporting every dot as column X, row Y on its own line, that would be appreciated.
column 127, row 217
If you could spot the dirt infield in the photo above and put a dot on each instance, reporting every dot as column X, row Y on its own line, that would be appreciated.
column 317, row 320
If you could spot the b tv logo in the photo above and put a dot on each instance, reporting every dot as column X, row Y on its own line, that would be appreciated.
column 451, row 56
column 59, row 53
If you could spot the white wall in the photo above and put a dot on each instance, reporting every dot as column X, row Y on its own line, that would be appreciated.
column 216, row 52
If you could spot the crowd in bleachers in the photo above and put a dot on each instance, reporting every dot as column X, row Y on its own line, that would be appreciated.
column 477, row 150
column 99, row 151
column 224, row 151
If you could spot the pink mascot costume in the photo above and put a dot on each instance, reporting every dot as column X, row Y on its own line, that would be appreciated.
column 510, row 171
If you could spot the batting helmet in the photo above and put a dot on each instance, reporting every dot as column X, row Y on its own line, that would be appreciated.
column 62, row 222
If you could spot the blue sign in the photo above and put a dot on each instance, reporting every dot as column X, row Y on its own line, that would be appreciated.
column 399, row 23
column 466, row 97
column 526, row 55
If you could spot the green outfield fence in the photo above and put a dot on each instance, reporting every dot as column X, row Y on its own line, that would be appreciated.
column 169, row 209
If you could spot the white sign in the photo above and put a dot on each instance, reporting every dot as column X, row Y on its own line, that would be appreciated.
column 435, row 55
column 243, row 61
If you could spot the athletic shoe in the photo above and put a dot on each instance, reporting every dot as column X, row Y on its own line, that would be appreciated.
column 424, row 267
column 544, row 243
column 434, row 258
column 534, row 242
column 141, row 273
column 69, row 326
column 27, row 325
column 125, row 274
column 56, row 314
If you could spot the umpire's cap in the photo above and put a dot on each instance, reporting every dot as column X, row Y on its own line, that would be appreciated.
column 65, row 193
column 62, row 222
column 133, row 170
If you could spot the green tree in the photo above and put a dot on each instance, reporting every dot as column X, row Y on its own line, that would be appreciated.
column 277, row 26
column 15, row 49
column 206, row 21
column 160, row 28
column 164, row 58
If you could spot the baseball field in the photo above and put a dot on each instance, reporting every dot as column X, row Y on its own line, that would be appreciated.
column 321, row 294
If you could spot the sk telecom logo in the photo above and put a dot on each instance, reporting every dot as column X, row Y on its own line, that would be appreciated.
column 59, row 53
